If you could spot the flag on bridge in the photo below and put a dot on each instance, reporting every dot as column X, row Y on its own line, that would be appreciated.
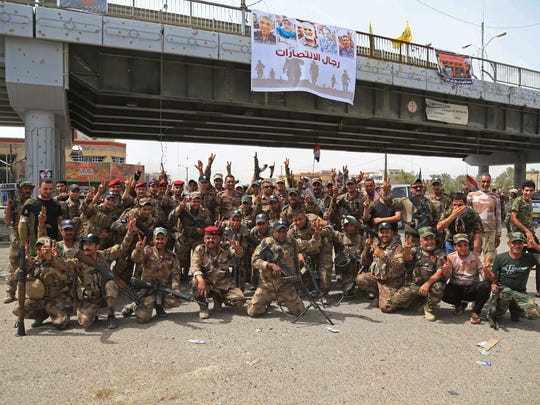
column 406, row 36
column 317, row 152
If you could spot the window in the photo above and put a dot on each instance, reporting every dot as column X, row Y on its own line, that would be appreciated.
column 116, row 159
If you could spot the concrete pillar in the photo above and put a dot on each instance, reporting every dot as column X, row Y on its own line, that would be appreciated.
column 520, row 171
column 44, row 150
column 482, row 169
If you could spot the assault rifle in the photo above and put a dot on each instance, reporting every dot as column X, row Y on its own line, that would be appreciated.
column 491, row 306
column 106, row 275
column 258, row 170
column 21, row 292
column 316, row 200
column 158, row 289
column 300, row 287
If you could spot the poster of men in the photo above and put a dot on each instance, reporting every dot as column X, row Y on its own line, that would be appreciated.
column 290, row 54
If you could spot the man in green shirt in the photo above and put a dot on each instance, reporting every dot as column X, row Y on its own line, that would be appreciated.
column 511, row 270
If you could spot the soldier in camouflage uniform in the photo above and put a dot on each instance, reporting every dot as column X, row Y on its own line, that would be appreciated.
column 248, row 211
column 274, row 284
column 351, row 202
column 305, row 227
column 233, row 228
column 294, row 203
column 260, row 231
column 274, row 211
column 387, row 269
column 227, row 200
column 427, row 273
column 99, row 218
column 71, row 208
column 461, row 219
column 210, row 268
column 349, row 247
column 511, row 273
column 11, row 219
column 47, row 297
column 208, row 196
column 158, row 265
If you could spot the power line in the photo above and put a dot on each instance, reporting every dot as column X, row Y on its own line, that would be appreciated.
column 475, row 24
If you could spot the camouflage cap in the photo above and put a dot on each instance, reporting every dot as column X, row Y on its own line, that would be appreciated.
column 195, row 194
column 316, row 180
column 514, row 236
column 349, row 219
column 43, row 240
column 144, row 201
column 246, row 199
column 26, row 183
column 425, row 231
column 460, row 237
column 153, row 182
column 293, row 191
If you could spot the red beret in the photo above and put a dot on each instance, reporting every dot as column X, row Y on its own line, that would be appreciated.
column 162, row 183
column 211, row 230
column 178, row 182
column 140, row 184
column 114, row 182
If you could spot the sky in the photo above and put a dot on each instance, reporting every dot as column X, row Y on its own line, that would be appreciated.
column 446, row 25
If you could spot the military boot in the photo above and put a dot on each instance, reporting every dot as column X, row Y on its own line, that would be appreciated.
column 127, row 311
column 10, row 298
column 160, row 311
column 203, row 312
column 428, row 313
column 112, row 323
column 38, row 323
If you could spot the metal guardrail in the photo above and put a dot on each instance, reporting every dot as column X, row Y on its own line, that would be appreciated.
column 205, row 15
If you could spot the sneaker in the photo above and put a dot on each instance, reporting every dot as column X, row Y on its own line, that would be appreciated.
column 112, row 323
column 9, row 298
column 127, row 311
column 160, row 311
column 203, row 313
column 370, row 296
column 428, row 314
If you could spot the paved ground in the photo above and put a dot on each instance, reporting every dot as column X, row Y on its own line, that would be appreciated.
column 373, row 358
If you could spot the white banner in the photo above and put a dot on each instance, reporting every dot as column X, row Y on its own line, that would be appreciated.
column 445, row 112
column 290, row 54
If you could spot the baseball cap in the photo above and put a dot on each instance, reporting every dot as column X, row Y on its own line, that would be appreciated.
column 144, row 201
column 349, row 219
column 203, row 179
column 459, row 237
column 159, row 230
column 211, row 230
column 513, row 236
column 425, row 231
column 293, row 191
column 114, row 182
column 514, row 190
column 246, row 199
column 153, row 181
column 91, row 238
column 66, row 223
column 194, row 195
column 280, row 225
column 417, row 180
column 273, row 197
column 191, row 181
column 436, row 181
column 351, row 181
column 280, row 181
column 235, row 213
column 74, row 187
column 384, row 225
column 108, row 195
column 316, row 180
column 43, row 240
column 261, row 218
column 218, row 176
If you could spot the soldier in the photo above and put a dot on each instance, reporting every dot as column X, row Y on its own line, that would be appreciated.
column 463, row 270
column 99, row 218
column 228, row 199
column 68, row 247
column 441, row 201
column 158, row 265
column 274, row 283
column 28, row 222
column 208, row 196
column 511, row 273
column 377, row 211
column 92, row 291
column 293, row 204
column 281, row 191
column 305, row 227
column 248, row 212
column 234, row 229
column 47, row 286
column 461, row 219
column 71, row 208
column 386, row 267
column 427, row 273
column 218, row 182
column 210, row 268
column 61, row 191
column 178, row 192
column 274, row 212
column 11, row 219
column 488, row 206
column 351, row 202
column 349, row 247
column 260, row 231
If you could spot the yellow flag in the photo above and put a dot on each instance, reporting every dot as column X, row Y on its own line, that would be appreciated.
column 406, row 36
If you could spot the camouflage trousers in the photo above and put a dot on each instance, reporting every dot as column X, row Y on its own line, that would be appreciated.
column 408, row 295
column 41, row 309
column 87, row 309
column 232, row 297
column 11, row 279
column 384, row 289
column 267, row 292
column 526, row 304
column 488, row 244
column 145, row 315
column 324, row 265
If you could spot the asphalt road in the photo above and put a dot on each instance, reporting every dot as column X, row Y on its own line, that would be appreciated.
column 372, row 358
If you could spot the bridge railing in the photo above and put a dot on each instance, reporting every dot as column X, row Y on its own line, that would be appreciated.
column 206, row 15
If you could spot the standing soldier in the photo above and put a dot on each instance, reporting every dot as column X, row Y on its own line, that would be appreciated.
column 11, row 219
column 260, row 231
column 208, row 196
column 99, row 218
column 210, row 268
column 351, row 202
column 234, row 229
column 228, row 199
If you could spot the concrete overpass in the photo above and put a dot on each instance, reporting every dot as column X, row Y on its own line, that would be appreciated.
column 131, row 79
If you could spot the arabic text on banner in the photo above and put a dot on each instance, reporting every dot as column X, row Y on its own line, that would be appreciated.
column 453, row 67
column 446, row 112
column 90, row 6
column 290, row 54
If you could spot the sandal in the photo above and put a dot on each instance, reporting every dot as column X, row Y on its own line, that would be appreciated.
column 475, row 319
column 537, row 294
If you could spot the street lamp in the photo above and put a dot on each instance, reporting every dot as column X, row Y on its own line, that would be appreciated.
column 484, row 46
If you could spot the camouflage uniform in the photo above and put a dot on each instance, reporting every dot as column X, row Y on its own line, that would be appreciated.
column 215, row 271
column 425, row 264
column 243, row 263
column 350, row 248
column 98, row 218
column 356, row 205
column 162, row 206
column 271, row 288
column 321, row 255
column 14, row 241
column 163, row 269
column 254, row 238
column 469, row 224
column 71, row 209
column 209, row 202
column 386, row 274
column 89, row 283
column 524, row 212
column 226, row 202
column 54, row 276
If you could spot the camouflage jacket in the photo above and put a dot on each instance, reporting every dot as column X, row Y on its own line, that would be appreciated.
column 215, row 270
column 388, row 267
column 164, row 269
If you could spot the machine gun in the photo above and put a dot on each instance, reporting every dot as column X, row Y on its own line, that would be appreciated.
column 313, row 275
column 107, row 275
column 300, row 287
column 158, row 289
column 257, row 169
column 21, row 292
column 317, row 201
